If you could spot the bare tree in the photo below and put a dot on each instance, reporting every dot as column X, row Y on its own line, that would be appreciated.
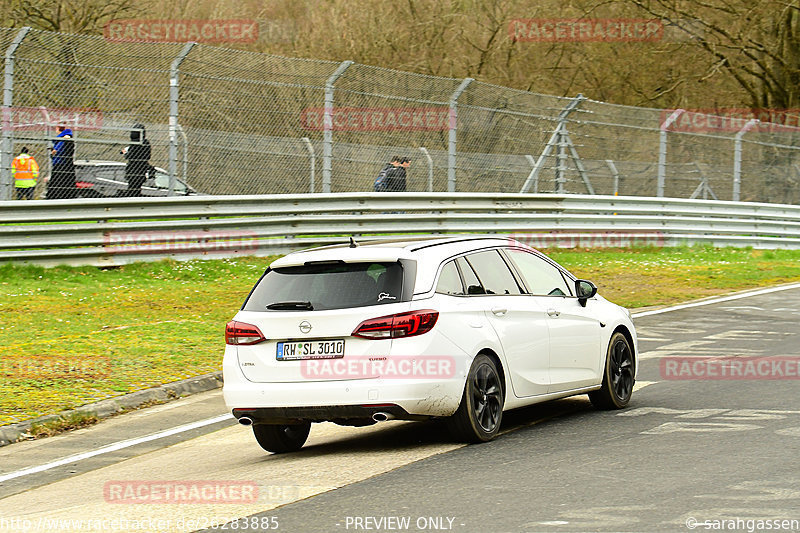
column 88, row 16
column 756, row 43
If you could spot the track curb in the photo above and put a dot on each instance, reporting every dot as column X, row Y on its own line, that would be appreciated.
column 12, row 433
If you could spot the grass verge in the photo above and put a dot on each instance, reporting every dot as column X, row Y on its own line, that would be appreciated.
column 74, row 335
column 61, row 424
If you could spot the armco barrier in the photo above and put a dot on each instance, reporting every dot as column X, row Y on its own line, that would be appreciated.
column 122, row 230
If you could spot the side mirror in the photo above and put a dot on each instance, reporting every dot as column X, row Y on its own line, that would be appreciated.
column 584, row 290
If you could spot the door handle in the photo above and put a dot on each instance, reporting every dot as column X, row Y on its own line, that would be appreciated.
column 499, row 311
column 553, row 313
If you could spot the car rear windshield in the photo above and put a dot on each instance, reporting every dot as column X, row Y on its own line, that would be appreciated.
column 321, row 286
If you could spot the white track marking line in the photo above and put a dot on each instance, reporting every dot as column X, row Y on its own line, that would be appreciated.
column 114, row 447
column 716, row 300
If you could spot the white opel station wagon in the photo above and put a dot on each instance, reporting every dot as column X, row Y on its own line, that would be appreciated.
column 458, row 328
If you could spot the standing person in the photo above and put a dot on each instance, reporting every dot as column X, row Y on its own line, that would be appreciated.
column 381, row 181
column 138, row 156
column 62, row 178
column 25, row 170
column 396, row 177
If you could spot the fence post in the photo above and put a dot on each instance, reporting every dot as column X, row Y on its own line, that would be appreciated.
column 312, row 160
column 662, row 150
column 174, row 95
column 185, row 160
column 737, row 158
column 327, row 127
column 6, row 155
column 532, row 163
column 430, row 167
column 451, row 144
column 615, row 174
column 555, row 140
column 561, row 156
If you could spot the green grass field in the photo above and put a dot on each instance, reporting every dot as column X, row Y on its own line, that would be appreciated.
column 146, row 324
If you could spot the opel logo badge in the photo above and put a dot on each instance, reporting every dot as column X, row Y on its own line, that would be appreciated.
column 305, row 327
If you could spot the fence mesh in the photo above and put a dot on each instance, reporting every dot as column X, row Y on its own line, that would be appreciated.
column 250, row 123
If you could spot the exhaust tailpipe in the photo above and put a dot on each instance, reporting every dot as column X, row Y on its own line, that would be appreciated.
column 382, row 417
column 246, row 421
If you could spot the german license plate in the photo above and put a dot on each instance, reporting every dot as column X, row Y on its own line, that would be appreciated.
column 327, row 349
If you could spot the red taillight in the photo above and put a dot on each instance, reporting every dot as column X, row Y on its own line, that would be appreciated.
column 83, row 185
column 241, row 333
column 400, row 325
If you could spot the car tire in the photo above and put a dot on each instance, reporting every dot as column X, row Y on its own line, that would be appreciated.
column 281, row 438
column 617, row 387
column 480, row 413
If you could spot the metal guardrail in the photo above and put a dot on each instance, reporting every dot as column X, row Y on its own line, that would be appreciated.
column 107, row 232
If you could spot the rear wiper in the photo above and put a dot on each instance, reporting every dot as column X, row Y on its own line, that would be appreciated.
column 303, row 306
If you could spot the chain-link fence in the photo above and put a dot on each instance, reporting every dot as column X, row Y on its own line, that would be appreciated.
column 226, row 121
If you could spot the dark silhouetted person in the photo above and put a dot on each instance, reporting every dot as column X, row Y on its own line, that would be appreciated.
column 62, row 176
column 138, row 156
column 381, row 182
column 396, row 177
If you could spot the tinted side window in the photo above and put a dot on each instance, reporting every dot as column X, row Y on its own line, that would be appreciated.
column 471, row 281
column 450, row 280
column 542, row 278
column 493, row 273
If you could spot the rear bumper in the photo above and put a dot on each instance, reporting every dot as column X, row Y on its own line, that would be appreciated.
column 342, row 414
column 405, row 399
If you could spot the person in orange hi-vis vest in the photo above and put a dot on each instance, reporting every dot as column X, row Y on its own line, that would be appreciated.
column 26, row 172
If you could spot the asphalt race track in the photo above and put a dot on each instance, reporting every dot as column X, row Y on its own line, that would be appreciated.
column 717, row 453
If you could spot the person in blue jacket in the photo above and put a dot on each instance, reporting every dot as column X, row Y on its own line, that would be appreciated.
column 62, row 176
